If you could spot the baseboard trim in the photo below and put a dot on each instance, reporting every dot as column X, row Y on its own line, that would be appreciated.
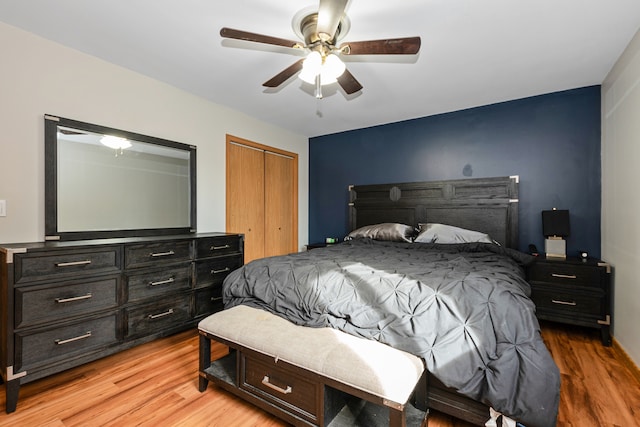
column 626, row 359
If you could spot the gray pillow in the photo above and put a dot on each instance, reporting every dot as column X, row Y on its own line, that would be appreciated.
column 442, row 233
column 388, row 231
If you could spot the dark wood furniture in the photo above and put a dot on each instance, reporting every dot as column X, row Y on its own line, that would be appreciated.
column 67, row 303
column 488, row 205
column 573, row 291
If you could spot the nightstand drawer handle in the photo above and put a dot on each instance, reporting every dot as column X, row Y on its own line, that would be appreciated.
column 572, row 303
column 266, row 382
column 72, row 263
column 67, row 341
column 217, row 248
column 162, row 282
column 564, row 276
column 224, row 270
column 72, row 299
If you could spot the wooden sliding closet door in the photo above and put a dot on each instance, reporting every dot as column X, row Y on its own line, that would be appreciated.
column 262, row 197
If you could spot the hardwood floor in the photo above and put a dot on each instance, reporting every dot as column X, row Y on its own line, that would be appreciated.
column 156, row 385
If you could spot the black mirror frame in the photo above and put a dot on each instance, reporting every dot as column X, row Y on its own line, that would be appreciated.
column 51, row 180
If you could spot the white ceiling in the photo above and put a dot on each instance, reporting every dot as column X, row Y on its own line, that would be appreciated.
column 473, row 52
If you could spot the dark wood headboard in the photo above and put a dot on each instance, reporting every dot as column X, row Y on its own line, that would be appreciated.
column 489, row 205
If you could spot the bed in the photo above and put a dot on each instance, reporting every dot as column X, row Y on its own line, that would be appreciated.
column 453, row 294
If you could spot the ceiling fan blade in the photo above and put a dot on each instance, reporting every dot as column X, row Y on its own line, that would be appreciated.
column 258, row 38
column 284, row 75
column 330, row 12
column 401, row 46
column 349, row 83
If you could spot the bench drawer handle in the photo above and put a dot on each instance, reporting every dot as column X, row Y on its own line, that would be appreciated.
column 81, row 337
column 266, row 382
column 564, row 276
column 156, row 316
column 572, row 303
column 78, row 298
column 162, row 282
column 72, row 263
column 217, row 248
column 224, row 270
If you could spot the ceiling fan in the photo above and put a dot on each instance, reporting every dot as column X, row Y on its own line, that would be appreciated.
column 321, row 30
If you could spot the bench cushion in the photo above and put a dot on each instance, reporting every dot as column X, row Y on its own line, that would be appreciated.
column 364, row 364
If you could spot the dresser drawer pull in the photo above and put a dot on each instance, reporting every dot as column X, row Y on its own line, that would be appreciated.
column 217, row 248
column 157, row 316
column 572, row 303
column 564, row 276
column 213, row 299
column 72, row 263
column 158, row 254
column 224, row 270
column 162, row 282
column 266, row 382
column 72, row 299
column 78, row 338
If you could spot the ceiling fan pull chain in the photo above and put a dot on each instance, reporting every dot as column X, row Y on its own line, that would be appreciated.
column 318, row 87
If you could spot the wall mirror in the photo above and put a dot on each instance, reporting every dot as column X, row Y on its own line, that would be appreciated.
column 105, row 182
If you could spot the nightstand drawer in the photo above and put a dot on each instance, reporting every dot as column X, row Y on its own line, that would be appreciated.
column 567, row 302
column 568, row 274
column 54, row 302
column 282, row 385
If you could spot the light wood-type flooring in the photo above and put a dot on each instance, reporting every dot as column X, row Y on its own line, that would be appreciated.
column 156, row 385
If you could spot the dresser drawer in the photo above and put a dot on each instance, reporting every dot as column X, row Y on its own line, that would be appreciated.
column 568, row 274
column 52, row 345
column 148, row 254
column 163, row 314
column 217, row 246
column 213, row 271
column 150, row 283
column 54, row 302
column 572, row 303
column 209, row 300
column 60, row 264
column 284, row 386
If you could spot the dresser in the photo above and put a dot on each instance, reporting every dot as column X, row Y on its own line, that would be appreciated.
column 67, row 303
column 573, row 291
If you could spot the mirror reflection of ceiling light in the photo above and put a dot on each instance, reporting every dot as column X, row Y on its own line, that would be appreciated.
column 115, row 142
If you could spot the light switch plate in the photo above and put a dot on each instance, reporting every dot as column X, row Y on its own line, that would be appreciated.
column 3, row 208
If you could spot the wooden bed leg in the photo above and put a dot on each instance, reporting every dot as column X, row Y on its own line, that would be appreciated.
column 205, row 361
column 397, row 418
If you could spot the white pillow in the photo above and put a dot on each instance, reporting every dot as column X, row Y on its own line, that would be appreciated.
column 442, row 233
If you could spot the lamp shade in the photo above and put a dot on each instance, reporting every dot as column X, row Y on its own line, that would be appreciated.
column 555, row 223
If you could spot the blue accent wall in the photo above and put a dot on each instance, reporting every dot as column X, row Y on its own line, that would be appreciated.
column 551, row 141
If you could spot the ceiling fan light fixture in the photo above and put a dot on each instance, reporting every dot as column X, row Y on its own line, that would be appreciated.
column 329, row 68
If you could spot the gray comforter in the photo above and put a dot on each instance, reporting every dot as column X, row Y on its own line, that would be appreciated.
column 463, row 308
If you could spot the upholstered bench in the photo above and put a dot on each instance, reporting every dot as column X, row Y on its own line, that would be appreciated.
column 311, row 376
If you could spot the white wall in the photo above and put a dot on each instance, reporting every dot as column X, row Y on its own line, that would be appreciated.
column 621, row 193
column 40, row 77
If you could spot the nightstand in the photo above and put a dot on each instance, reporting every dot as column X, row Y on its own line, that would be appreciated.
column 573, row 291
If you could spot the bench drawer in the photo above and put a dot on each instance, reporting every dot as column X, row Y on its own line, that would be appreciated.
column 283, row 385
